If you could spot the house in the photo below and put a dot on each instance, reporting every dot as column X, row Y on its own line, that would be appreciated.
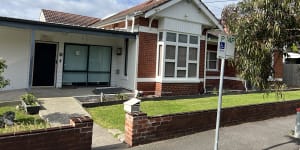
column 161, row 47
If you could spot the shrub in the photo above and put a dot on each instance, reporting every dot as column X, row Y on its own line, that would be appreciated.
column 29, row 99
column 3, row 81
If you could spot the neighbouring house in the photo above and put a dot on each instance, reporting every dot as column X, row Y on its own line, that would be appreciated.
column 161, row 47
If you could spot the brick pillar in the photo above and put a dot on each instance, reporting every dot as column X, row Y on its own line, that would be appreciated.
column 134, row 124
column 85, row 125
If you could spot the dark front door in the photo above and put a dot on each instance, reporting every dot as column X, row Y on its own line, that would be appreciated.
column 44, row 64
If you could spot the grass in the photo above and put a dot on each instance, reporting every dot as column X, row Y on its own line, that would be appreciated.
column 23, row 121
column 113, row 116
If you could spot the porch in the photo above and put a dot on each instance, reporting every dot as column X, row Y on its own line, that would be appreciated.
column 40, row 55
column 14, row 95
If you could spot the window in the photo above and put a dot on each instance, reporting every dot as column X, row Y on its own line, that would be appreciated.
column 160, row 36
column 181, row 56
column 171, row 37
column 212, row 61
column 126, row 58
column 159, row 60
column 169, row 69
column 183, row 38
column 181, row 60
column 193, row 39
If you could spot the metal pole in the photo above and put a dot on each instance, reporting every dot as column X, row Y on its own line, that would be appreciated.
column 219, row 105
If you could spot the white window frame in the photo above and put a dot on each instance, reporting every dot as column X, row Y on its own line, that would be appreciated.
column 207, row 61
column 164, row 44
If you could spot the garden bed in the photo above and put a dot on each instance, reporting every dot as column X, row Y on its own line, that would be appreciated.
column 23, row 121
column 107, row 99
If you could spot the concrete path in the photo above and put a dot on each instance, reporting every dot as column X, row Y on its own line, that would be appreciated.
column 271, row 134
column 59, row 110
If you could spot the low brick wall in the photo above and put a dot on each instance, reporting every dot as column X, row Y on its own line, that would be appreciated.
column 141, row 129
column 76, row 136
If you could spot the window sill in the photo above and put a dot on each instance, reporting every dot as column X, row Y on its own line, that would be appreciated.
column 212, row 70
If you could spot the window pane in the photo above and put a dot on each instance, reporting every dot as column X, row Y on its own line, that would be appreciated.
column 181, row 73
column 160, row 36
column 169, row 69
column 183, row 38
column 159, row 60
column 99, row 58
column 171, row 37
column 194, row 39
column 76, row 58
column 212, row 56
column 193, row 54
column 212, row 65
column 181, row 60
column 192, row 72
column 170, row 52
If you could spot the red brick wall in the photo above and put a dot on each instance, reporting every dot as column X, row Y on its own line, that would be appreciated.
column 147, row 55
column 202, row 59
column 141, row 129
column 139, row 21
column 77, row 136
column 173, row 89
column 148, row 88
column 278, row 65
column 170, row 89
column 227, row 85
column 145, row 22
column 158, row 89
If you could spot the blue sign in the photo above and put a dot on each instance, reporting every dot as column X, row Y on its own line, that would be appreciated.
column 222, row 45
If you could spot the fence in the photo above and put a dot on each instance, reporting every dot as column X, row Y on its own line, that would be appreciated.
column 291, row 75
column 141, row 129
column 76, row 136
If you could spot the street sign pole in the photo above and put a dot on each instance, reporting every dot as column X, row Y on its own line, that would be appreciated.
column 226, row 46
column 219, row 104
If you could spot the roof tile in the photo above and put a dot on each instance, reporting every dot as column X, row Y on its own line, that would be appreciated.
column 143, row 7
column 68, row 18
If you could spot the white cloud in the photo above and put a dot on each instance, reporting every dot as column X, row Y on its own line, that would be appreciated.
column 30, row 9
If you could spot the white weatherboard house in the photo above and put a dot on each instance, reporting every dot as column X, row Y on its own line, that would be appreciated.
column 162, row 47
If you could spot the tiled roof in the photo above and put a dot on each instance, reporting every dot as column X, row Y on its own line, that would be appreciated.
column 143, row 7
column 68, row 18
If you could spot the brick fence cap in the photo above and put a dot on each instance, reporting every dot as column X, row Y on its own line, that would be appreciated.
column 298, row 109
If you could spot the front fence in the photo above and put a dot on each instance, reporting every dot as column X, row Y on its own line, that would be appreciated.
column 141, row 129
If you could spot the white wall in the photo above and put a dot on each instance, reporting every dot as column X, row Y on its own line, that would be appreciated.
column 187, row 12
column 117, row 60
column 15, row 49
column 129, row 80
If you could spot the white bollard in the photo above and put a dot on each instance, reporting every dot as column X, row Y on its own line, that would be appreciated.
column 101, row 97
column 297, row 127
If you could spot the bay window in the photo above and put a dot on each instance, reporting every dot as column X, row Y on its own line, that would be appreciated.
column 181, row 55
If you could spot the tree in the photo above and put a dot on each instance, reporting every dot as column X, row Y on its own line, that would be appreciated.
column 3, row 81
column 261, row 27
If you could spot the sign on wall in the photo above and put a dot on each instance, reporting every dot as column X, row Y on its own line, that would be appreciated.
column 226, row 46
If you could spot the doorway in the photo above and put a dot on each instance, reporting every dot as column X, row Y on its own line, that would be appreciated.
column 44, row 64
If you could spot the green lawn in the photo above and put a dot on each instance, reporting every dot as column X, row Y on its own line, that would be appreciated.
column 23, row 121
column 113, row 116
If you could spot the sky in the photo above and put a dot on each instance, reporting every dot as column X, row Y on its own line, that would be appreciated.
column 30, row 9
